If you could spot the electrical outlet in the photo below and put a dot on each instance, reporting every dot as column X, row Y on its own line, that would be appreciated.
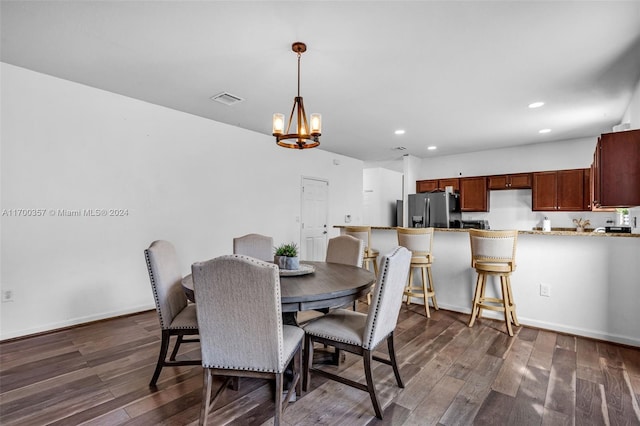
column 545, row 290
column 7, row 296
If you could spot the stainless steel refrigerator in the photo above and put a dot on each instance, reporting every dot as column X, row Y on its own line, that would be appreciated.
column 434, row 209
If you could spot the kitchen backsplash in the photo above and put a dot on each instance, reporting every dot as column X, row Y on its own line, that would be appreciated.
column 512, row 210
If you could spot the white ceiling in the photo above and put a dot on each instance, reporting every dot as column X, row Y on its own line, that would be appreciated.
column 458, row 75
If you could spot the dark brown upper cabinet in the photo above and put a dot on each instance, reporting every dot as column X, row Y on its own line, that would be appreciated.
column 513, row 181
column 474, row 196
column 560, row 190
column 432, row 185
column 616, row 170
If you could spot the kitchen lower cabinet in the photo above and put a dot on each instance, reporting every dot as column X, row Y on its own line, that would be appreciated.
column 474, row 195
column 560, row 190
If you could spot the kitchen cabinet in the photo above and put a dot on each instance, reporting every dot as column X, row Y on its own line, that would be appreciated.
column 437, row 185
column 616, row 170
column 513, row 181
column 474, row 196
column 560, row 190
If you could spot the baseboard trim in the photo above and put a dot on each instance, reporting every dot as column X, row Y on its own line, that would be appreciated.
column 72, row 323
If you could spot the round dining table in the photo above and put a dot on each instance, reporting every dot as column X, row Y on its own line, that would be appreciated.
column 329, row 285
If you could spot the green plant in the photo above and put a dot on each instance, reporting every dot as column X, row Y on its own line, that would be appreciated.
column 287, row 249
column 623, row 211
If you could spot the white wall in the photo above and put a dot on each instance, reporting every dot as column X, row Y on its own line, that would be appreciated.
column 632, row 115
column 193, row 181
column 382, row 188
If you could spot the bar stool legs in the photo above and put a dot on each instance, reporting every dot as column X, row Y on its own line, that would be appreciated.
column 426, row 291
column 506, row 304
column 368, row 260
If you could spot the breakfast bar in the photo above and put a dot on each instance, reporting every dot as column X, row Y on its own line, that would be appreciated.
column 593, row 279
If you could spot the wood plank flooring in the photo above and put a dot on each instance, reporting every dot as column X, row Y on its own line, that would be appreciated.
column 98, row 374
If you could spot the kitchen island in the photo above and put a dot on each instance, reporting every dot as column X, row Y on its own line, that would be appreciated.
column 594, row 279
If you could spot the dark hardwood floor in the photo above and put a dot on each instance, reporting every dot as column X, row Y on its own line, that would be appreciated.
column 98, row 374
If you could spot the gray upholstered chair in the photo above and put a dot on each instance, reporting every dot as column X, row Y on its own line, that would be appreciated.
column 420, row 242
column 177, row 317
column 360, row 333
column 493, row 253
column 244, row 336
column 345, row 249
column 254, row 245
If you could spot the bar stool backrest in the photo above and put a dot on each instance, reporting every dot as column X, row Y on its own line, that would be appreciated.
column 362, row 233
column 419, row 241
column 493, row 247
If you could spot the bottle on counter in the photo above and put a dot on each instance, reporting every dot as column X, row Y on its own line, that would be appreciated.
column 546, row 224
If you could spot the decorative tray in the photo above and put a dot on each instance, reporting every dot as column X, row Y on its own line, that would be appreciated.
column 304, row 270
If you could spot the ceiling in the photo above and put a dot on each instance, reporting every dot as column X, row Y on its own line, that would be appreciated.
column 456, row 75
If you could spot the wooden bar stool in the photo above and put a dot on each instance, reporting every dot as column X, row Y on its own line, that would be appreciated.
column 494, row 253
column 420, row 242
column 370, row 255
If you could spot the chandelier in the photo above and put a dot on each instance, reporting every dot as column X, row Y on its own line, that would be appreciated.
column 305, row 136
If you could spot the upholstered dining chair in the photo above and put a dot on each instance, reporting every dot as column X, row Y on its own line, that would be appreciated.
column 343, row 249
column 360, row 333
column 493, row 253
column 254, row 245
column 242, row 336
column 177, row 317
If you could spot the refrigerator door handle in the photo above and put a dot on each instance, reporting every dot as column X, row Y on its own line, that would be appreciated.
column 427, row 213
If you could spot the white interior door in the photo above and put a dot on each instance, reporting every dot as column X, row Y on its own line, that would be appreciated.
column 315, row 208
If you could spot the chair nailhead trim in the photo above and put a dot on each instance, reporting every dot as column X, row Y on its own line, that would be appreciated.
column 153, row 287
column 382, row 282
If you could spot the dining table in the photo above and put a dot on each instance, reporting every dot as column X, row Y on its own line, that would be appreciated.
column 315, row 286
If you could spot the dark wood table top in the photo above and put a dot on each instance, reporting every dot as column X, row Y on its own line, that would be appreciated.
column 332, row 285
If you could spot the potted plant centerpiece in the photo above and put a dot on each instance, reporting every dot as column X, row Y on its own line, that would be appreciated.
column 286, row 256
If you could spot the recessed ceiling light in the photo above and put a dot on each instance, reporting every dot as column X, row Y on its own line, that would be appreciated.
column 431, row 148
column 399, row 132
column 536, row 104
column 544, row 131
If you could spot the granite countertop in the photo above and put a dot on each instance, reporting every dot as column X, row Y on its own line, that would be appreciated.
column 536, row 231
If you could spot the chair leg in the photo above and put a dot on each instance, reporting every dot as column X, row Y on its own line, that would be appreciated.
column 512, row 304
column 408, row 287
column 297, row 368
column 392, row 358
column 206, row 396
column 425, row 291
column 505, row 301
column 366, row 356
column 308, row 361
column 164, row 347
column 432, row 288
column 475, row 308
column 176, row 347
column 279, row 389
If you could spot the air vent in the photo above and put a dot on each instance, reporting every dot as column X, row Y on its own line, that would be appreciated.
column 226, row 98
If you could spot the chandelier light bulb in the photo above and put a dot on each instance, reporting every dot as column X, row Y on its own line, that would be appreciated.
column 316, row 123
column 278, row 124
